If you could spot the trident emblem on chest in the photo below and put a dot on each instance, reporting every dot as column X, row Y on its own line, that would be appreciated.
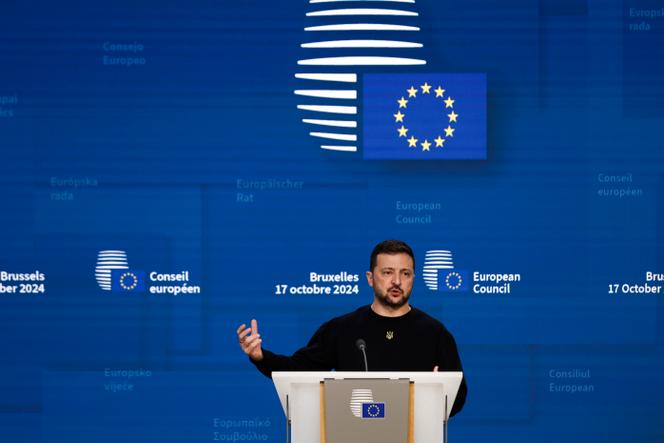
column 389, row 335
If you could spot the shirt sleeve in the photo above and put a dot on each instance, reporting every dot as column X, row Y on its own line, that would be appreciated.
column 450, row 361
column 317, row 355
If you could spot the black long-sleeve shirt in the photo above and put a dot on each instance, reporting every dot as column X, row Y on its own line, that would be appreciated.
column 412, row 342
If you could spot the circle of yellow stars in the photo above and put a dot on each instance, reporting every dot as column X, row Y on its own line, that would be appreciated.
column 400, row 116
column 128, row 286
column 448, row 280
column 373, row 410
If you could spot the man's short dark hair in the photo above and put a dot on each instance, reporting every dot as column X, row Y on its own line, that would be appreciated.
column 390, row 247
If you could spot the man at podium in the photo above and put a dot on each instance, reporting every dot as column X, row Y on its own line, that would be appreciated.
column 388, row 335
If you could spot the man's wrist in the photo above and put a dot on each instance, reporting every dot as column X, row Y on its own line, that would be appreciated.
column 256, row 359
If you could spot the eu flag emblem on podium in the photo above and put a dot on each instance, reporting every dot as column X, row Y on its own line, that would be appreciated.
column 127, row 280
column 373, row 410
column 424, row 116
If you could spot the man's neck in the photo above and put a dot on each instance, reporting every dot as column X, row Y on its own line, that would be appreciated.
column 387, row 311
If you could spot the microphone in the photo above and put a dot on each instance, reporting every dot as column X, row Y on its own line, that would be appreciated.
column 362, row 346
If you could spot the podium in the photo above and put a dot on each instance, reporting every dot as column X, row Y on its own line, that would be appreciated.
column 329, row 407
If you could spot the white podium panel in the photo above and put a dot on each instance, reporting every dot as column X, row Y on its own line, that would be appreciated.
column 434, row 395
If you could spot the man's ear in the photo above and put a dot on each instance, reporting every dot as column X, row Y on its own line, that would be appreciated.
column 369, row 275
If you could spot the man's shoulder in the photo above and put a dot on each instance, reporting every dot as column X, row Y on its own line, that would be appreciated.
column 345, row 323
column 358, row 315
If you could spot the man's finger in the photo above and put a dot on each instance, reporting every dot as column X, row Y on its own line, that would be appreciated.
column 242, row 326
column 435, row 369
column 254, row 326
column 249, row 340
column 244, row 333
column 254, row 345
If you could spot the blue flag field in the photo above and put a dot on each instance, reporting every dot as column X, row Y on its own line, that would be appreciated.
column 424, row 116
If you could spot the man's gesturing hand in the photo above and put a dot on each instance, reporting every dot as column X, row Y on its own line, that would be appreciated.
column 250, row 340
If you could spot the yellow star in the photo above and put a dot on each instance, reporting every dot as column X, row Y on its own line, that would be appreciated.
column 439, row 142
column 402, row 131
column 412, row 142
column 398, row 117
column 453, row 116
column 426, row 87
column 412, row 92
column 439, row 91
column 449, row 131
column 425, row 145
column 449, row 102
column 402, row 103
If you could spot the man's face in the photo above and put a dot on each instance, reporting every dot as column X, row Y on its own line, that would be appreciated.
column 392, row 279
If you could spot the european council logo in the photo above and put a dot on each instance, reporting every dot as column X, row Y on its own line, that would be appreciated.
column 424, row 116
column 128, row 280
column 439, row 273
column 350, row 98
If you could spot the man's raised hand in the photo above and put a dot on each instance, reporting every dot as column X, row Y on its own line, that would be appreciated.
column 250, row 340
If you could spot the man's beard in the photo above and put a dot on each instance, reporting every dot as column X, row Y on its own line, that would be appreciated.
column 384, row 299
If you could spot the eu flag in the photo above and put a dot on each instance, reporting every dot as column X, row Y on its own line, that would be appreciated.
column 373, row 410
column 453, row 280
column 424, row 116
column 127, row 280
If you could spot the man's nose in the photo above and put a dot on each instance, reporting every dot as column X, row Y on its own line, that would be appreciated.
column 397, row 279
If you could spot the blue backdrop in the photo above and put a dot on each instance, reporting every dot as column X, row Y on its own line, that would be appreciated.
column 169, row 131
